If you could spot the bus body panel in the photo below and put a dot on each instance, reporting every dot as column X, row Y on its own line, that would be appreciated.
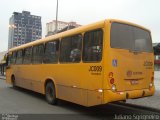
column 89, row 84
column 8, row 75
column 132, row 76
column 69, row 85
column 134, row 70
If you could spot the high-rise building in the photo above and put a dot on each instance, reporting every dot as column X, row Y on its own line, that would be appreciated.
column 51, row 26
column 23, row 28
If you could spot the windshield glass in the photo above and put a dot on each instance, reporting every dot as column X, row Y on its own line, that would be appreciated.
column 129, row 37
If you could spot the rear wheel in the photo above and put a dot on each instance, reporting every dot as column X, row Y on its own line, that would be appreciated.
column 50, row 93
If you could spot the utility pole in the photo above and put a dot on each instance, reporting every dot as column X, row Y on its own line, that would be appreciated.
column 56, row 29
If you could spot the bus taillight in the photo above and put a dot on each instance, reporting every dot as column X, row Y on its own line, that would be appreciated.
column 151, row 84
column 152, row 79
column 112, row 81
column 110, row 75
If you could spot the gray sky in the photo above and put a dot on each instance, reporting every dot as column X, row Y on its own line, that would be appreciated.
column 143, row 12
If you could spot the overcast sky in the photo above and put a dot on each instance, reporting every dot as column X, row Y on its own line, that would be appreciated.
column 143, row 12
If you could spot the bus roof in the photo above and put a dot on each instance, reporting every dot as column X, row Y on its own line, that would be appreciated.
column 80, row 29
column 129, row 23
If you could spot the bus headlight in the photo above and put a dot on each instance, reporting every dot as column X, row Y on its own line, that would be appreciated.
column 113, row 87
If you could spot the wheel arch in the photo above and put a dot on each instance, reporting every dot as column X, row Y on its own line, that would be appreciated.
column 49, row 80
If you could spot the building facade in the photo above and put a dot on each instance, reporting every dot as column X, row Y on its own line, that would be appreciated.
column 51, row 26
column 2, row 63
column 23, row 28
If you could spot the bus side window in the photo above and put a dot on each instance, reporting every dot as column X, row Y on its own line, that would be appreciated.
column 71, row 49
column 8, row 59
column 13, row 57
column 19, row 57
column 92, row 46
column 38, row 53
column 51, row 52
column 27, row 55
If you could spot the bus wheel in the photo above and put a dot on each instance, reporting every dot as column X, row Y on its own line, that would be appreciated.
column 50, row 93
column 13, row 81
column 123, row 101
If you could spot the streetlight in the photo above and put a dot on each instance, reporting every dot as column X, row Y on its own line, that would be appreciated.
column 56, row 18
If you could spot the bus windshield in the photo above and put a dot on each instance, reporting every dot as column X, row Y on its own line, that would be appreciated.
column 129, row 37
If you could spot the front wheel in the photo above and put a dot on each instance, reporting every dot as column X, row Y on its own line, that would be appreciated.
column 13, row 82
column 50, row 93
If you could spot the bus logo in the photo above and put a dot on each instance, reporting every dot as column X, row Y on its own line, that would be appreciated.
column 114, row 62
column 129, row 73
column 148, row 63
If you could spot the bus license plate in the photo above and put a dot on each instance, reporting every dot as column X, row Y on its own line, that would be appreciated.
column 134, row 82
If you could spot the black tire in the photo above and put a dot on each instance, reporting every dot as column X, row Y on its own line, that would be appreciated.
column 123, row 101
column 50, row 93
column 13, row 82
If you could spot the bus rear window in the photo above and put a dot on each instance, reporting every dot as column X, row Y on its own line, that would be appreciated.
column 129, row 37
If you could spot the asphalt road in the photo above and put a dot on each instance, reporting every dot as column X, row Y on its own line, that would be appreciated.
column 153, row 101
column 21, row 101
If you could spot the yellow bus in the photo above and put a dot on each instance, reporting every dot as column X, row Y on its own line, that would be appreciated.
column 110, row 60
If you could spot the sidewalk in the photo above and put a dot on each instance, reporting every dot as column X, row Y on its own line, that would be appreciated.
column 157, row 80
column 2, row 77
